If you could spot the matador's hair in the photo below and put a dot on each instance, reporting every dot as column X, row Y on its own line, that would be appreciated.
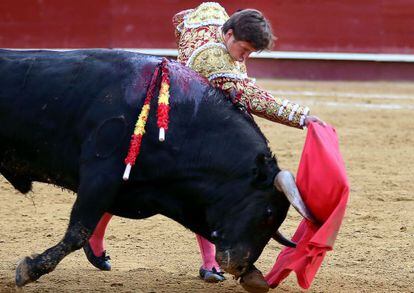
column 251, row 26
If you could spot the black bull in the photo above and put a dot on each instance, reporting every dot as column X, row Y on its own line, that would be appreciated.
column 66, row 119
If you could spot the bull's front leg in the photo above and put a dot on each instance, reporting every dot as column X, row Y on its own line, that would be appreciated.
column 94, row 197
column 32, row 268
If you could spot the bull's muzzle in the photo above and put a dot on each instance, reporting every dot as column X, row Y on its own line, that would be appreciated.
column 233, row 261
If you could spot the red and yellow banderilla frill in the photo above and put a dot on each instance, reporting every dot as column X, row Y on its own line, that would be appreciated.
column 162, row 115
column 163, row 101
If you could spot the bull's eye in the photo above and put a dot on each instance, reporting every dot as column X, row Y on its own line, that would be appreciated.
column 269, row 216
column 269, row 212
column 214, row 235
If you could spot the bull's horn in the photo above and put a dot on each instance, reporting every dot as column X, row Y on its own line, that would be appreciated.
column 283, row 240
column 285, row 182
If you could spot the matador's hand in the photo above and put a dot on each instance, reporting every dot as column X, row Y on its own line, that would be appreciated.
column 311, row 118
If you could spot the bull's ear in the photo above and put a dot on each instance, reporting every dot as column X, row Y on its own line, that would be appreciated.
column 262, row 172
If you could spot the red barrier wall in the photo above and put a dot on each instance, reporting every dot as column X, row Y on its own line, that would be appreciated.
column 363, row 26
column 376, row 26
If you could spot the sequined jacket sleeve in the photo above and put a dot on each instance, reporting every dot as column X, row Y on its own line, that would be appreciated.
column 177, row 22
column 261, row 103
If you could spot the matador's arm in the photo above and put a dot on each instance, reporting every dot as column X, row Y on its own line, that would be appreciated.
column 263, row 104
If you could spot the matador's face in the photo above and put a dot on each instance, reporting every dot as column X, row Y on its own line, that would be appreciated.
column 238, row 50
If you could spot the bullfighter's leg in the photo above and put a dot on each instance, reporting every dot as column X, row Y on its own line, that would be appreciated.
column 95, row 196
column 210, row 270
column 95, row 246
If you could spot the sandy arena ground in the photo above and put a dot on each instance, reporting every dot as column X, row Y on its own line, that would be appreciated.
column 374, row 251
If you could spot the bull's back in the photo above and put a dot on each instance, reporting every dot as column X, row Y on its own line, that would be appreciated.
column 61, row 86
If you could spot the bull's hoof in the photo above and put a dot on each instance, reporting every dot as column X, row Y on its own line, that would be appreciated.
column 23, row 275
column 254, row 282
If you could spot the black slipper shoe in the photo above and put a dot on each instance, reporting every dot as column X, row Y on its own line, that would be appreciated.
column 100, row 262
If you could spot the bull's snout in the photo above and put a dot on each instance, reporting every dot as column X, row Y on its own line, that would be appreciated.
column 235, row 262
column 240, row 264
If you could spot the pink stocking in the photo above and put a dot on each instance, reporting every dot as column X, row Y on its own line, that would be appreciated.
column 97, row 241
column 208, row 253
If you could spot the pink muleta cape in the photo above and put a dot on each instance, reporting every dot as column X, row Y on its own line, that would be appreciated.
column 324, row 186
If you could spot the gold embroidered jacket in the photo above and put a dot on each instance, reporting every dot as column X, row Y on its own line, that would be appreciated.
column 201, row 47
